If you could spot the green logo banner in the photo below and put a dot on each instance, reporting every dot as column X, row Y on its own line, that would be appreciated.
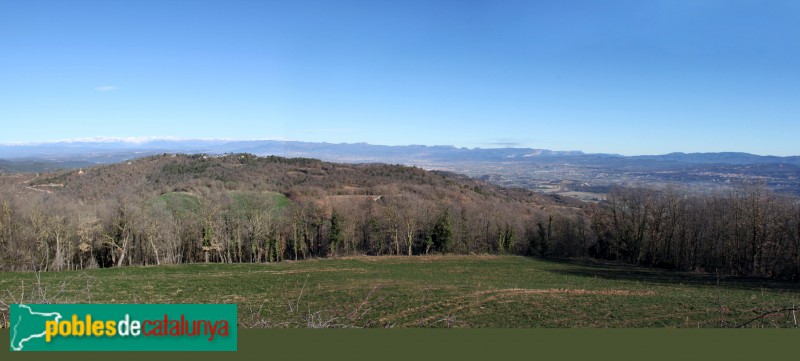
column 123, row 327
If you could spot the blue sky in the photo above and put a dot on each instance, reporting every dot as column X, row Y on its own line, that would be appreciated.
column 628, row 77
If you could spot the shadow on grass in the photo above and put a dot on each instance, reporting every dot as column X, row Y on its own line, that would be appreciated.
column 625, row 272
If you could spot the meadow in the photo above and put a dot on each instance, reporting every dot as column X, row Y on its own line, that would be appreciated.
column 430, row 291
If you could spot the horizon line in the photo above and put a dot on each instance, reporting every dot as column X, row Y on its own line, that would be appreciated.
column 148, row 139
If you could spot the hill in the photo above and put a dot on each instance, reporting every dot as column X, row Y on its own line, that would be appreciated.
column 242, row 208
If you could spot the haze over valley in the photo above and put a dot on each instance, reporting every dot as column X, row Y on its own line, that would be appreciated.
column 571, row 173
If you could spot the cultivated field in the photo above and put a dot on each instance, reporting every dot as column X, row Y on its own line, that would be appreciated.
column 430, row 291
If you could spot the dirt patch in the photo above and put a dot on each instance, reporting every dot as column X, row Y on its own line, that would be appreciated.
column 607, row 292
column 475, row 299
column 235, row 299
column 354, row 270
column 420, row 258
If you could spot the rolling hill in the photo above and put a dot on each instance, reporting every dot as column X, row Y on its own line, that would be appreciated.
column 242, row 208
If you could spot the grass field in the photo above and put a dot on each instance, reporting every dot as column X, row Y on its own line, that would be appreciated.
column 244, row 201
column 431, row 291
column 177, row 202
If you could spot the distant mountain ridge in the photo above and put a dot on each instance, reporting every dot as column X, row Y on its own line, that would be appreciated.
column 121, row 149
column 723, row 158
column 79, row 152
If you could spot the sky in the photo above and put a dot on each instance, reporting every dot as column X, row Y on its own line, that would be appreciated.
column 625, row 77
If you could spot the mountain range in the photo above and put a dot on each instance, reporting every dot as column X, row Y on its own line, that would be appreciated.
column 71, row 153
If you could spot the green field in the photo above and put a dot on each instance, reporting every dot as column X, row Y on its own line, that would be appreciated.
column 431, row 291
column 245, row 201
column 177, row 202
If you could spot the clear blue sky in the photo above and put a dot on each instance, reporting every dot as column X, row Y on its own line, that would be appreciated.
column 628, row 77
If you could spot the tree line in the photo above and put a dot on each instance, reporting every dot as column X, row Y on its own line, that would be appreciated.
column 747, row 231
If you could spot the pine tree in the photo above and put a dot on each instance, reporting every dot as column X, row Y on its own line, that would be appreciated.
column 335, row 233
column 442, row 231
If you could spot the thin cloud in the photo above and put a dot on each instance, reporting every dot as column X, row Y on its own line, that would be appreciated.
column 106, row 88
column 328, row 130
column 506, row 142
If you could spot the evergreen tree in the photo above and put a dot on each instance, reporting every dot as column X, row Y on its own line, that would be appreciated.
column 335, row 235
column 442, row 231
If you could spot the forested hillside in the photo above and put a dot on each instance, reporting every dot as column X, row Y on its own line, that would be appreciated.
column 240, row 208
